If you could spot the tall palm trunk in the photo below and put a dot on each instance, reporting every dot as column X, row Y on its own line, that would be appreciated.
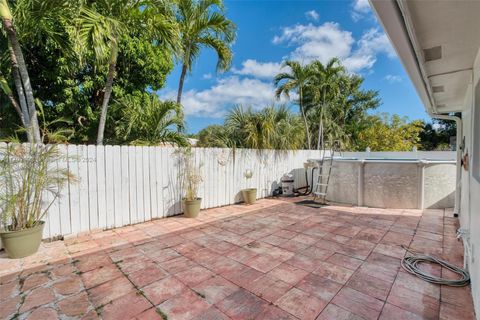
column 106, row 99
column 18, row 59
column 320, row 125
column 307, row 131
column 180, row 83
column 8, row 92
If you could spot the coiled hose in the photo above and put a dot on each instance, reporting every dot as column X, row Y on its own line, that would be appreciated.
column 410, row 264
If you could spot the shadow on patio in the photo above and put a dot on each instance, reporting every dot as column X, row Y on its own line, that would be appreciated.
column 271, row 260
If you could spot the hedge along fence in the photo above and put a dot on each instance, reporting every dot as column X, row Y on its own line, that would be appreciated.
column 122, row 185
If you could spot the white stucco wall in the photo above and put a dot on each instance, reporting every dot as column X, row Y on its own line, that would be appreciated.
column 393, row 184
column 470, row 204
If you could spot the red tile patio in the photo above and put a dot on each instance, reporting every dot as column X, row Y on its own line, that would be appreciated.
column 272, row 260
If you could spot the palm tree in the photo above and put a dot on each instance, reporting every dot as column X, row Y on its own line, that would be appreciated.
column 102, row 24
column 325, row 88
column 203, row 24
column 20, row 74
column 147, row 120
column 297, row 79
column 270, row 128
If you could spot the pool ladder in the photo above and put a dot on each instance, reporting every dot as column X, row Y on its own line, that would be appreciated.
column 324, row 172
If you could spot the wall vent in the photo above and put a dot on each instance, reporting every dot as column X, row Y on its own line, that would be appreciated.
column 438, row 89
column 432, row 54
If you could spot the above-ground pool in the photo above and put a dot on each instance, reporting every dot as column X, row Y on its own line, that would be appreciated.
column 393, row 183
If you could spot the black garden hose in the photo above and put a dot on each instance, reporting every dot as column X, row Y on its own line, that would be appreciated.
column 411, row 265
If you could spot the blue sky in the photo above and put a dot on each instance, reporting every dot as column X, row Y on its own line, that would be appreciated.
column 269, row 32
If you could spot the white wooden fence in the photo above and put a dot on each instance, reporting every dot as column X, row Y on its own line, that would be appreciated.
column 122, row 185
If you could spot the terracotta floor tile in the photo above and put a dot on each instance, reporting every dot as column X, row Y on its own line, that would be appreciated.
column 109, row 291
column 420, row 304
column 244, row 277
column 287, row 234
column 177, row 265
column 274, row 240
column 390, row 250
column 372, row 286
column 163, row 289
column 458, row 296
column 146, row 276
column 43, row 313
column 269, row 288
column 317, row 253
column 288, row 273
column 385, row 273
column 241, row 254
column 358, row 303
column 67, row 286
column 301, row 304
column 412, row 282
column 75, row 306
column 215, row 289
column 211, row 313
column 451, row 312
column 396, row 238
column 185, row 306
column 333, row 272
column 333, row 312
column 336, row 238
column 306, row 239
column 37, row 297
column 321, row 287
column 100, row 275
column 9, row 307
column 271, row 312
column 304, row 262
column 223, row 265
column 345, row 261
column 34, row 281
column 371, row 234
column 89, row 262
column 126, row 307
column 195, row 275
column 150, row 314
column 263, row 263
column 393, row 312
column 242, row 305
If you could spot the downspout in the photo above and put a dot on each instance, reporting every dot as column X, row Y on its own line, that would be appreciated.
column 458, row 190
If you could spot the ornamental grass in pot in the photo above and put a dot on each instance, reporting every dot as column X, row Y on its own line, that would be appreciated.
column 191, row 180
column 28, row 173
column 249, row 194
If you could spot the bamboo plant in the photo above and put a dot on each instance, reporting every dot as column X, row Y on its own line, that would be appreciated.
column 191, row 177
column 29, row 173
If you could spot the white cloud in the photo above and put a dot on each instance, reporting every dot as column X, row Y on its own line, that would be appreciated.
column 393, row 78
column 328, row 40
column 264, row 70
column 227, row 92
column 207, row 76
column 360, row 9
column 312, row 15
column 316, row 42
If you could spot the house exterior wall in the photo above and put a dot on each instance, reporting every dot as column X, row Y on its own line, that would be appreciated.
column 470, row 205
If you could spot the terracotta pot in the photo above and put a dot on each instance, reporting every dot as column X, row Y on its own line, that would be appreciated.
column 19, row 244
column 191, row 208
column 249, row 195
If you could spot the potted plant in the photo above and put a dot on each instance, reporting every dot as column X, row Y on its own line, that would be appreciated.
column 28, row 173
column 249, row 194
column 191, row 181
